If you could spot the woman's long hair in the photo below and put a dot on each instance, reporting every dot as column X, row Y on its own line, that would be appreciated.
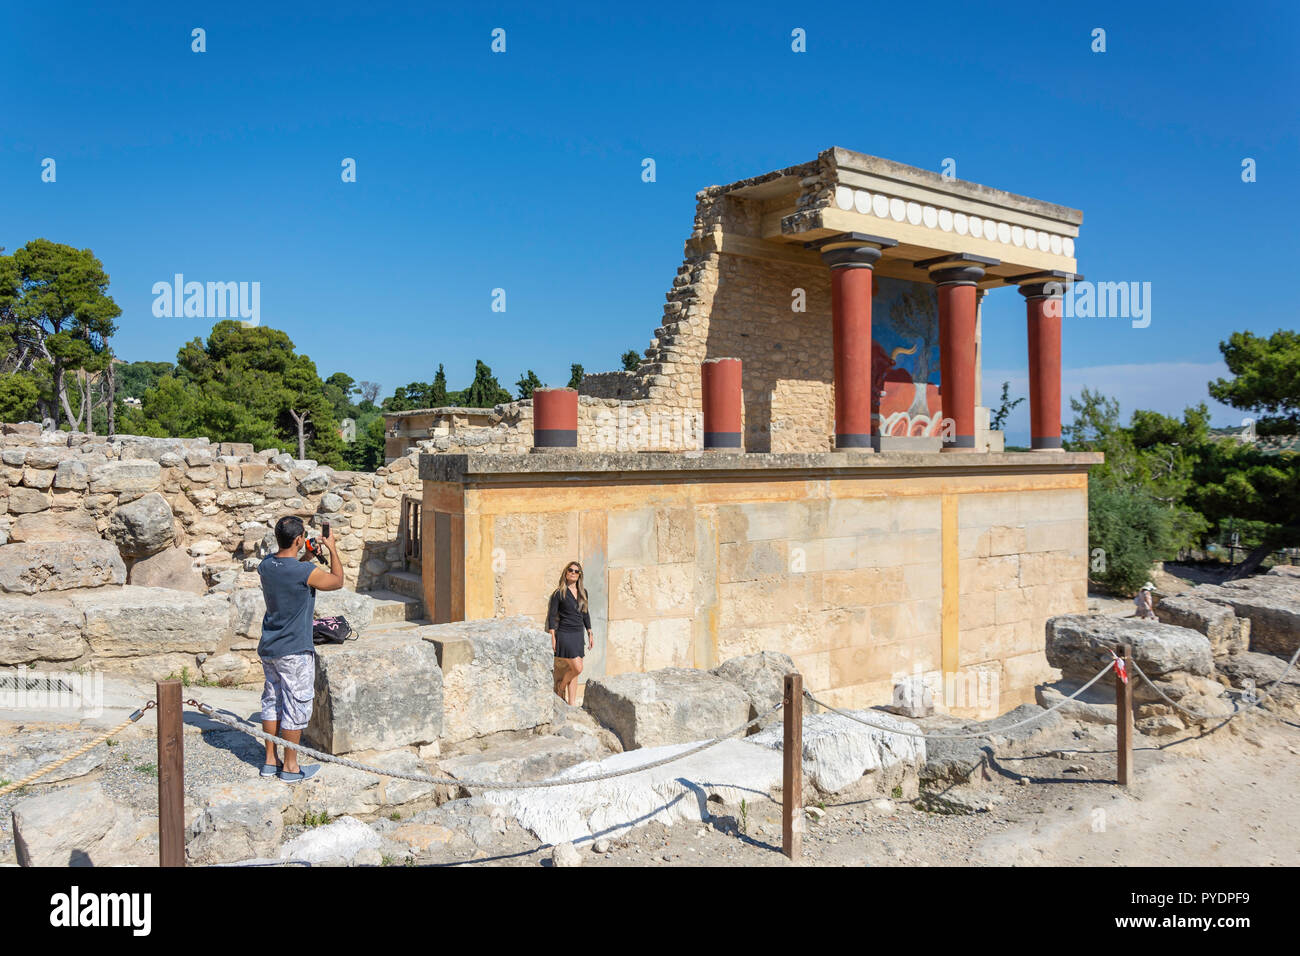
column 563, row 585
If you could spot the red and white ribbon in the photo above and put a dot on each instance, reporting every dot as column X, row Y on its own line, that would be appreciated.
column 1120, row 669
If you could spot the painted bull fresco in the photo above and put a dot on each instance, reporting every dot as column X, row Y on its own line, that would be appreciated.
column 905, row 359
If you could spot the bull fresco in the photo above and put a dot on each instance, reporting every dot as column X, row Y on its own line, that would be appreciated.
column 905, row 359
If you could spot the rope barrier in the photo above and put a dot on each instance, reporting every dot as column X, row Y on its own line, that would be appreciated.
column 323, row 757
column 49, row 768
column 1264, row 693
column 984, row 733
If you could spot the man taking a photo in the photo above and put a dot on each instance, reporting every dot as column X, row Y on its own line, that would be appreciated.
column 288, row 654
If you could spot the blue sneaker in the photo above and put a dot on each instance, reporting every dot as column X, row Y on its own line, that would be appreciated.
column 304, row 773
column 271, row 769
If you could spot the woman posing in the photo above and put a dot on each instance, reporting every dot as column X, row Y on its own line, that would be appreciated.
column 565, row 620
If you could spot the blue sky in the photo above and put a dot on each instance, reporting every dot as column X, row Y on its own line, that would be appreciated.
column 522, row 170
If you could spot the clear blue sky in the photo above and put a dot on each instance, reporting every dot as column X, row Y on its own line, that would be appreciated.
column 522, row 170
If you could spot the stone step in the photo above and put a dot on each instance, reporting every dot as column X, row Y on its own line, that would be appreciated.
column 391, row 607
column 407, row 583
column 396, row 627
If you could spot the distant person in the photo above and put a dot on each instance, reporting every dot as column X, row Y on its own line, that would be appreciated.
column 566, row 619
column 1145, row 609
column 288, row 654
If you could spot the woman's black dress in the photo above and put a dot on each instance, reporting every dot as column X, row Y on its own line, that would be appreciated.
column 570, row 624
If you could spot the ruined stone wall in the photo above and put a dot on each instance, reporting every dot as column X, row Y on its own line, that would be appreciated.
column 604, row 425
column 223, row 500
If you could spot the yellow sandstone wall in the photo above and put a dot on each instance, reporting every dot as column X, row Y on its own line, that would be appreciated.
column 860, row 580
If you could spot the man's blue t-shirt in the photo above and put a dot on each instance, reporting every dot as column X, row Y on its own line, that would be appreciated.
column 290, row 606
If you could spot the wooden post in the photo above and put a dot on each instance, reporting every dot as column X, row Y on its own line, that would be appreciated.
column 792, row 769
column 171, row 775
column 1124, row 716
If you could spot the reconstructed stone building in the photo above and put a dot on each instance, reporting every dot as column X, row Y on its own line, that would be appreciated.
column 873, row 526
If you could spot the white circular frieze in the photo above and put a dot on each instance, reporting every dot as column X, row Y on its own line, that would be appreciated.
column 914, row 213
column 1018, row 235
column 862, row 201
column 959, row 223
column 844, row 197
column 880, row 205
column 1031, row 238
column 977, row 227
column 1067, row 245
column 897, row 210
column 1056, row 245
column 930, row 216
column 1004, row 233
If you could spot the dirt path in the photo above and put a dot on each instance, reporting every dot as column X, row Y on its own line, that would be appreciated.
column 1222, row 800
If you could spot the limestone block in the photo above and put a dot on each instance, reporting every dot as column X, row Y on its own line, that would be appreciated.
column 171, row 568
column 497, row 675
column 531, row 758
column 37, row 477
column 668, row 643
column 143, row 527
column 56, row 566
column 380, row 693
column 27, row 500
column 1252, row 671
column 252, row 475
column 1079, row 644
column 79, row 826
column 631, row 538
column 238, row 821
column 731, row 771
column 762, row 677
column 231, row 670
column 51, row 525
column 134, row 621
column 667, row 706
column 1270, row 601
column 838, row 752
column 117, row 477
column 39, row 629
column 47, row 456
column 314, row 481
column 72, row 474
column 337, row 842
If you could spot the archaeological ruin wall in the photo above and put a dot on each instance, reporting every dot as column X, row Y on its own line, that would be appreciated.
column 211, row 506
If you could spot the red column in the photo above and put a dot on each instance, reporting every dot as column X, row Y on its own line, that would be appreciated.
column 851, row 257
column 555, row 418
column 721, row 383
column 957, row 363
column 1043, row 314
column 955, row 279
column 851, row 340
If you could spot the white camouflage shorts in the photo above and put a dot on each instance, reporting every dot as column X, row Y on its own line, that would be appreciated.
column 290, row 687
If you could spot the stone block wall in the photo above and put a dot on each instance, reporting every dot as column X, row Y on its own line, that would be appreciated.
column 860, row 581
column 604, row 425
column 224, row 499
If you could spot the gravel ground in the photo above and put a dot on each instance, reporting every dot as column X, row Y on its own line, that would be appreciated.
column 128, row 771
